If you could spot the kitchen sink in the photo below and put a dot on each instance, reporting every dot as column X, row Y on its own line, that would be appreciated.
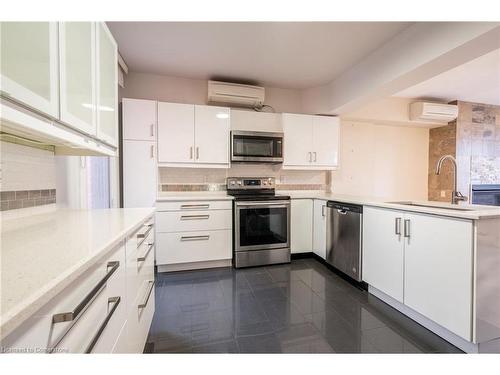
column 438, row 206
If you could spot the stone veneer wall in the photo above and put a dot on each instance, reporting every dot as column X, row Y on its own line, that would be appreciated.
column 474, row 139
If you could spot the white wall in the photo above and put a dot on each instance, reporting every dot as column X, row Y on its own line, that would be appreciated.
column 26, row 168
column 382, row 161
column 194, row 91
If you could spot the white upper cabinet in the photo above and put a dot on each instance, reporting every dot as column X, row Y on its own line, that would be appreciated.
column 297, row 131
column 311, row 142
column 193, row 135
column 212, row 134
column 107, row 85
column 139, row 119
column 77, row 75
column 175, row 133
column 326, row 141
column 29, row 66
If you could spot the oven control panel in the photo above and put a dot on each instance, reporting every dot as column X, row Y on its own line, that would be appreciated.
column 248, row 183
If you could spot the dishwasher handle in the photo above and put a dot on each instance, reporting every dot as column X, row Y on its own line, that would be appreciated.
column 344, row 208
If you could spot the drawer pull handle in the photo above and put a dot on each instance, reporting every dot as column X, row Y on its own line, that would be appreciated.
column 115, row 301
column 195, row 217
column 89, row 298
column 195, row 238
column 397, row 226
column 145, row 302
column 193, row 206
column 143, row 258
column 143, row 236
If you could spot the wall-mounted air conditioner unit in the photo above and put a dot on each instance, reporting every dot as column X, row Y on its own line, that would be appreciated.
column 433, row 112
column 235, row 94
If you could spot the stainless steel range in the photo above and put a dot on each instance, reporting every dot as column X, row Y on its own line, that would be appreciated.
column 261, row 230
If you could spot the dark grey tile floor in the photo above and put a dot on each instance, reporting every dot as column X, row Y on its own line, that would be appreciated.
column 302, row 307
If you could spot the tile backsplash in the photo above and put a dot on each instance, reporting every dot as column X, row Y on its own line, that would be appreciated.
column 10, row 200
column 200, row 179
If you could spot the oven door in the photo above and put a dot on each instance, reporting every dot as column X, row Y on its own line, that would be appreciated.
column 261, row 225
column 256, row 147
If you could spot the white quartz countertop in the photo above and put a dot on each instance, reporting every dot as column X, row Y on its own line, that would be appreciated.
column 43, row 253
column 471, row 212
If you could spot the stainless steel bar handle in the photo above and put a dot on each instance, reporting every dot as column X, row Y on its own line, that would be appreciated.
column 194, row 206
column 197, row 153
column 144, row 235
column 323, row 210
column 75, row 313
column 148, row 294
column 315, row 156
column 195, row 217
column 115, row 301
column 407, row 228
column 191, row 152
column 310, row 157
column 274, row 203
column 152, row 151
column 144, row 257
column 151, row 130
column 397, row 226
column 195, row 238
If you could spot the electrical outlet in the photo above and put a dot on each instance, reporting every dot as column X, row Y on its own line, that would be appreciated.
column 443, row 193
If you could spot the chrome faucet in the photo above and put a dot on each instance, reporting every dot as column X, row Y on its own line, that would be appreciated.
column 456, row 196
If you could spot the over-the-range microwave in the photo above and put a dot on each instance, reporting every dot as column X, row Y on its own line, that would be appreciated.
column 256, row 147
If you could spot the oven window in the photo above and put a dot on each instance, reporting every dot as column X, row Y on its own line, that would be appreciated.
column 249, row 146
column 263, row 226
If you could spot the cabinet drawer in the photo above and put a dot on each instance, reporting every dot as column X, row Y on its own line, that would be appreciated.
column 189, row 247
column 106, row 310
column 140, row 317
column 194, row 205
column 180, row 221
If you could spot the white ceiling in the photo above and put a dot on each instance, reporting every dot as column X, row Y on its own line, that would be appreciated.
column 477, row 81
column 280, row 54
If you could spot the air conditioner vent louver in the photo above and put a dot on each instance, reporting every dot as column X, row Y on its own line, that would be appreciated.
column 433, row 112
column 235, row 94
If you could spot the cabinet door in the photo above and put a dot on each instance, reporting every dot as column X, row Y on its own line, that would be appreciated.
column 175, row 133
column 211, row 134
column 383, row 250
column 77, row 75
column 139, row 174
column 319, row 228
column 301, row 225
column 28, row 64
column 438, row 271
column 139, row 119
column 325, row 141
column 297, row 149
column 107, row 85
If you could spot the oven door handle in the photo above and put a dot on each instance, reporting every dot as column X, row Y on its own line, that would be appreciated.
column 262, row 204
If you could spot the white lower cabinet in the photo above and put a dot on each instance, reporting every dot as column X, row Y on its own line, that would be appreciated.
column 423, row 261
column 319, row 228
column 112, row 321
column 301, row 223
column 193, row 232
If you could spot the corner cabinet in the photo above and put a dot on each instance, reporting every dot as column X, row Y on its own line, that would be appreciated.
column 29, row 66
column 66, row 74
column 314, row 140
column 423, row 261
column 193, row 135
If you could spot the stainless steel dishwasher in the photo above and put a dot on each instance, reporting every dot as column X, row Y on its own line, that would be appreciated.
column 344, row 223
